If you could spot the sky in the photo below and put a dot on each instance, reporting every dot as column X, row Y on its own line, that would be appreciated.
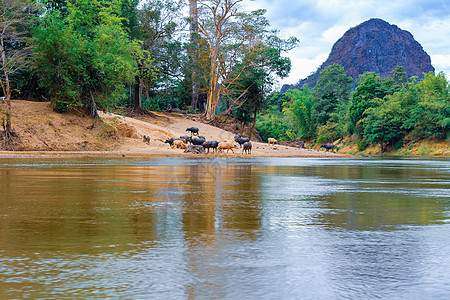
column 319, row 24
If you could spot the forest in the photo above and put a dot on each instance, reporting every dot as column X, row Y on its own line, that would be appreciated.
column 213, row 58
column 378, row 111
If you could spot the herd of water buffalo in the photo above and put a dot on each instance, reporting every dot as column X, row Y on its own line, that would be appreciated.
column 198, row 144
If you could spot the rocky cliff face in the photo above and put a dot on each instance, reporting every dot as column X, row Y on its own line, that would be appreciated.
column 374, row 46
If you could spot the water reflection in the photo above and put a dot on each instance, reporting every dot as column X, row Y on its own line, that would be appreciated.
column 224, row 228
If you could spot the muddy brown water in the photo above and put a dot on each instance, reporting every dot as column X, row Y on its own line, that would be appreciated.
column 225, row 228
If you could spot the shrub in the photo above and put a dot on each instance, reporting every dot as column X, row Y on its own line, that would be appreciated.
column 361, row 145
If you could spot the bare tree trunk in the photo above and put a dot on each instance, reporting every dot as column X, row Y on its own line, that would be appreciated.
column 255, row 113
column 213, row 92
column 193, row 13
column 135, row 104
column 141, row 89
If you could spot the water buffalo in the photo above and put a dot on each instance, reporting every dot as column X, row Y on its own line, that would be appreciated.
column 193, row 130
column 241, row 140
column 170, row 141
column 211, row 144
column 185, row 139
column 328, row 147
column 272, row 141
column 197, row 141
column 226, row 145
column 247, row 148
column 178, row 144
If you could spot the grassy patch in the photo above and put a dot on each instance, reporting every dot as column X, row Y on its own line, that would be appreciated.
column 424, row 150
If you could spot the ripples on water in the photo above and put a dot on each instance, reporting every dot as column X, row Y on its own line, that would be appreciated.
column 256, row 228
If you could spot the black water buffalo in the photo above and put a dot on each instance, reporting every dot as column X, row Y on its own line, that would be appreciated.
column 211, row 144
column 193, row 130
column 247, row 148
column 241, row 140
column 186, row 139
column 328, row 147
column 197, row 141
column 170, row 141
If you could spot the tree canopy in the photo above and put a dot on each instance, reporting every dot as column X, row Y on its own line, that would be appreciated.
column 235, row 41
column 332, row 89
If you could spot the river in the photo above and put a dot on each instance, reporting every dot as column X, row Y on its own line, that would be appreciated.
column 225, row 228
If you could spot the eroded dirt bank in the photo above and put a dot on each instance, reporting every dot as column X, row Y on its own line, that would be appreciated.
column 41, row 132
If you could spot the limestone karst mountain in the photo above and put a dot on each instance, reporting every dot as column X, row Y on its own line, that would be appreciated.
column 373, row 46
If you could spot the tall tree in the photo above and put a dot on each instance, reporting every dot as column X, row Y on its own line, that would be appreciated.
column 253, row 81
column 300, row 111
column 233, row 38
column 84, row 59
column 399, row 76
column 331, row 90
column 371, row 86
column 430, row 117
column 194, row 51
column 159, row 25
column 15, row 20
column 384, row 121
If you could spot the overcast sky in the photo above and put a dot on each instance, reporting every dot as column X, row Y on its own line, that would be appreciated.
column 319, row 24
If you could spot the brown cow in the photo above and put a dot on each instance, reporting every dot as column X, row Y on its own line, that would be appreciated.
column 226, row 145
column 272, row 141
column 178, row 144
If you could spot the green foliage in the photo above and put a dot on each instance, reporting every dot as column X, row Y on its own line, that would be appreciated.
column 249, row 83
column 418, row 107
column 235, row 41
column 430, row 117
column 113, row 61
column 253, row 83
column 277, row 99
column 371, row 87
column 84, row 59
column 361, row 145
column 328, row 132
column 61, row 106
column 383, row 124
column 163, row 56
column 273, row 123
column 59, row 59
column 299, row 112
column 332, row 89
column 399, row 76
column 176, row 96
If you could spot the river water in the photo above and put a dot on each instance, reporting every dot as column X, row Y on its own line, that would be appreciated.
column 225, row 228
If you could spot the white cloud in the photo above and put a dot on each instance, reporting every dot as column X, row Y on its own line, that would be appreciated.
column 441, row 63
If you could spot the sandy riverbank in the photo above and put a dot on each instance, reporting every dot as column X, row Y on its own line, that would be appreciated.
column 42, row 132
